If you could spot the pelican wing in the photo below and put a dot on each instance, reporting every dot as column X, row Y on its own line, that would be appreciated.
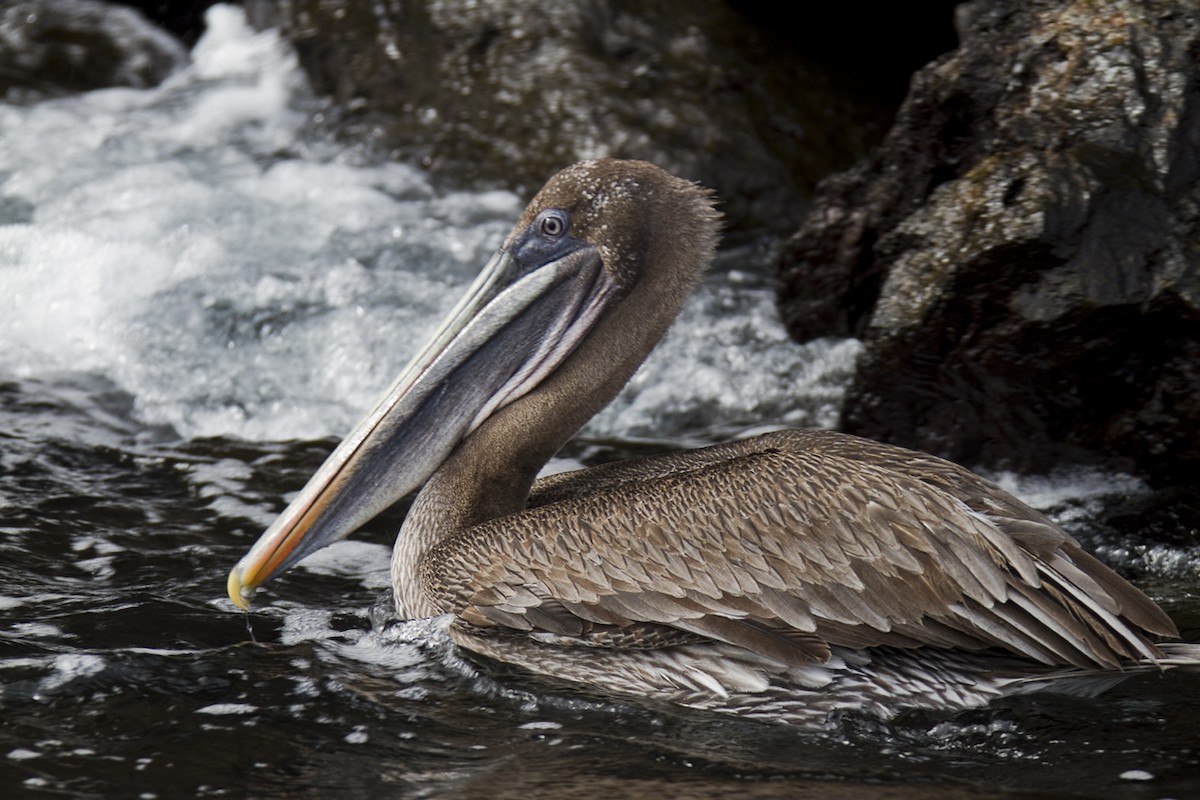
column 785, row 545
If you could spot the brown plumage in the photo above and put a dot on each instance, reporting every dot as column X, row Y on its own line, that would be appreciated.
column 786, row 576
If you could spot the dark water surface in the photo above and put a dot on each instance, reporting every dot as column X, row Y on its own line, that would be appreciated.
column 193, row 274
column 125, row 672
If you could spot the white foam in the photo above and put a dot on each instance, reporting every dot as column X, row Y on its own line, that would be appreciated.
column 540, row 725
column 1136, row 775
column 222, row 709
column 23, row 754
column 728, row 360
column 198, row 245
column 1074, row 485
column 38, row 629
column 69, row 667
column 188, row 243
column 7, row 602
column 305, row 625
column 557, row 465
column 101, row 567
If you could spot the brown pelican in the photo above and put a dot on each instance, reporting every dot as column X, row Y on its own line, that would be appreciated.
column 784, row 576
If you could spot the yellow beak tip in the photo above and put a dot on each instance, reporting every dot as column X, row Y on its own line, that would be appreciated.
column 238, row 593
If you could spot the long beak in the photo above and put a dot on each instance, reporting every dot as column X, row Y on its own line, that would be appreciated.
column 514, row 326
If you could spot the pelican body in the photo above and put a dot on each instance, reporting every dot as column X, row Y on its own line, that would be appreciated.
column 787, row 576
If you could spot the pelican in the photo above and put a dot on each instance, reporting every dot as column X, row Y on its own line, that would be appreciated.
column 788, row 576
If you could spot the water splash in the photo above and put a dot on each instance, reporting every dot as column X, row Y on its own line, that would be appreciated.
column 200, row 246
column 194, row 244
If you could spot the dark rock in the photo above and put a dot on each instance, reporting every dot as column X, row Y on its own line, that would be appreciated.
column 506, row 93
column 62, row 46
column 858, row 42
column 1021, row 254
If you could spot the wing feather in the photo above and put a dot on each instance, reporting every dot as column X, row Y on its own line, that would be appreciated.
column 788, row 544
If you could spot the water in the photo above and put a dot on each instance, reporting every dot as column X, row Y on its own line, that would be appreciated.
column 200, row 291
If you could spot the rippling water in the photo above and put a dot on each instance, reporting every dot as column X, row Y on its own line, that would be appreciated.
column 199, row 292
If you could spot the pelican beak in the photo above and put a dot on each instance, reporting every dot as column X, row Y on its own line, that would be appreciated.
column 521, row 318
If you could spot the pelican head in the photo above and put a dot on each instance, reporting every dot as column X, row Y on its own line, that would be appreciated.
column 573, row 277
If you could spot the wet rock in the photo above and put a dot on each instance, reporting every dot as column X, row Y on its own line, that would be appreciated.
column 62, row 46
column 1020, row 255
column 507, row 93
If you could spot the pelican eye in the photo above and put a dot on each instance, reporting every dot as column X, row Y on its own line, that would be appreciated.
column 552, row 224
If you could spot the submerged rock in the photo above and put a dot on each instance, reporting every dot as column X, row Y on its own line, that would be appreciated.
column 1020, row 255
